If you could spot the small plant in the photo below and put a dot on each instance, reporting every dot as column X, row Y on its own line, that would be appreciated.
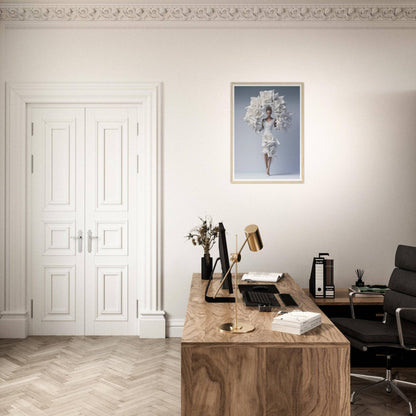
column 204, row 235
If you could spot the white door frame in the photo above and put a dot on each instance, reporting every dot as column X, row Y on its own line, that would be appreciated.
column 14, row 317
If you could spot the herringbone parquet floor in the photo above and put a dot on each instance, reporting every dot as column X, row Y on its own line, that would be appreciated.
column 94, row 376
column 116, row 376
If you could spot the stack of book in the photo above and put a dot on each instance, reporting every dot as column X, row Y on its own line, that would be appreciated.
column 296, row 322
column 262, row 277
column 369, row 289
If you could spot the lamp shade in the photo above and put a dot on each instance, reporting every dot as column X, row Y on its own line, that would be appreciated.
column 253, row 237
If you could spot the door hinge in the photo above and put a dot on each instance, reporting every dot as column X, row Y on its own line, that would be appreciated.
column 31, row 163
column 137, row 129
column 137, row 308
column 137, row 163
column 32, row 127
column 31, row 308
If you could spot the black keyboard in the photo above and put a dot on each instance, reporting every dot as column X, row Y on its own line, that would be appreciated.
column 288, row 300
column 252, row 298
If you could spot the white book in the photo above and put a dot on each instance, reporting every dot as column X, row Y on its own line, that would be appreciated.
column 296, row 322
column 292, row 330
column 293, row 325
column 262, row 277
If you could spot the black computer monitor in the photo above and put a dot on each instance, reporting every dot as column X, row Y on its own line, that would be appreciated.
column 225, row 261
column 225, row 265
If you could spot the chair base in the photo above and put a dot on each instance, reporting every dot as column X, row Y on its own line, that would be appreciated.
column 391, row 384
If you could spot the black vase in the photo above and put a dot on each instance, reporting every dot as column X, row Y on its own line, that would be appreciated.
column 206, row 267
column 360, row 283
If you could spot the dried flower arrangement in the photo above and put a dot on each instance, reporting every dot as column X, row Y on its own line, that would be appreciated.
column 204, row 235
column 360, row 274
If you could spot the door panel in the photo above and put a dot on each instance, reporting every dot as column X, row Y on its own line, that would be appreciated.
column 59, row 293
column 57, row 214
column 60, row 148
column 112, row 296
column 111, row 218
column 112, row 163
column 112, row 238
column 58, row 238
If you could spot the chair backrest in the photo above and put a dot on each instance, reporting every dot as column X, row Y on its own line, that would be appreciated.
column 402, row 284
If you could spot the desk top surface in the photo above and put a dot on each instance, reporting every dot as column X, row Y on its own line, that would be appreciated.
column 203, row 319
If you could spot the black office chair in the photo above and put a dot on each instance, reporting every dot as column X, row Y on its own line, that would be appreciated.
column 398, row 329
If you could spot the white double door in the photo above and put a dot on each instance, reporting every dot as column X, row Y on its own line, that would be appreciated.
column 83, row 219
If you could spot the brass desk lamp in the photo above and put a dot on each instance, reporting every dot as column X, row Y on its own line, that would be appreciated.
column 253, row 239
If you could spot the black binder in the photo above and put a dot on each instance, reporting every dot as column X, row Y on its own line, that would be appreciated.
column 321, row 282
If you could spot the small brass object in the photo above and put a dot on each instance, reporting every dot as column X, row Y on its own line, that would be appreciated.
column 241, row 329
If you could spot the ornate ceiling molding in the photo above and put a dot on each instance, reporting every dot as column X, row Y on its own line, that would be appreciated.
column 205, row 13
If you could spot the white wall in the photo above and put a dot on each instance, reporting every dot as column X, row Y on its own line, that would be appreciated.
column 358, row 200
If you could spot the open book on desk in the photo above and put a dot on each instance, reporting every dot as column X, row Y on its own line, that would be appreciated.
column 262, row 277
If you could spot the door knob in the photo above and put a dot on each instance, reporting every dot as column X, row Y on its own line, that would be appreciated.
column 79, row 238
column 90, row 237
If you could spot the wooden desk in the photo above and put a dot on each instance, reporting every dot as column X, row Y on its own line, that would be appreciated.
column 262, row 373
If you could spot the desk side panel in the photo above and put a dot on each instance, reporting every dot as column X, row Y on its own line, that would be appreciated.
column 245, row 380
column 319, row 379
column 325, row 381
column 218, row 380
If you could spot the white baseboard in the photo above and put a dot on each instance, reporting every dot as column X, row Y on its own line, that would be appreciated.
column 152, row 324
column 14, row 325
column 175, row 328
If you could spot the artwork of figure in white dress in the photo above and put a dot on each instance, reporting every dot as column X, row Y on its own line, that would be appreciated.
column 266, row 113
column 266, row 132
column 269, row 142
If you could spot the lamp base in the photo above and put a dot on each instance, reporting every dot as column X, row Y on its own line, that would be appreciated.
column 242, row 328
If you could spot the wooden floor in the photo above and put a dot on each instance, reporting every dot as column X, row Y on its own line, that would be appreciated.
column 119, row 376
column 71, row 376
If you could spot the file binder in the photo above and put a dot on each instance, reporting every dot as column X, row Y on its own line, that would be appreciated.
column 321, row 282
column 329, row 279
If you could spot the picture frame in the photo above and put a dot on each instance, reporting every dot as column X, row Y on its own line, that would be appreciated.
column 267, row 132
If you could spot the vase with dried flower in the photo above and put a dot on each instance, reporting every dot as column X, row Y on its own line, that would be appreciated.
column 360, row 281
column 205, row 235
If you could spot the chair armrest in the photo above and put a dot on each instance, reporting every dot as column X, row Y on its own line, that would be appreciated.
column 400, row 328
column 353, row 293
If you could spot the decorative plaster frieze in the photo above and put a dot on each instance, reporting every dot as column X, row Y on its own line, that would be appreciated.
column 236, row 13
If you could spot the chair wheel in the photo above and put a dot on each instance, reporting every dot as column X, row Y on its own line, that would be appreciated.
column 388, row 389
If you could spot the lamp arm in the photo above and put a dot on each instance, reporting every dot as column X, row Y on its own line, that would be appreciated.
column 231, row 267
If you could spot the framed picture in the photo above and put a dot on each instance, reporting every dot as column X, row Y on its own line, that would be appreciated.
column 267, row 132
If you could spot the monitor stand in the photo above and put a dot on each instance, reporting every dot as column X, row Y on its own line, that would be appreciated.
column 217, row 299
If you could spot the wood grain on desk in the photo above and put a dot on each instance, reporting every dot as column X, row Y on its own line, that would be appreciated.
column 203, row 319
column 265, row 372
